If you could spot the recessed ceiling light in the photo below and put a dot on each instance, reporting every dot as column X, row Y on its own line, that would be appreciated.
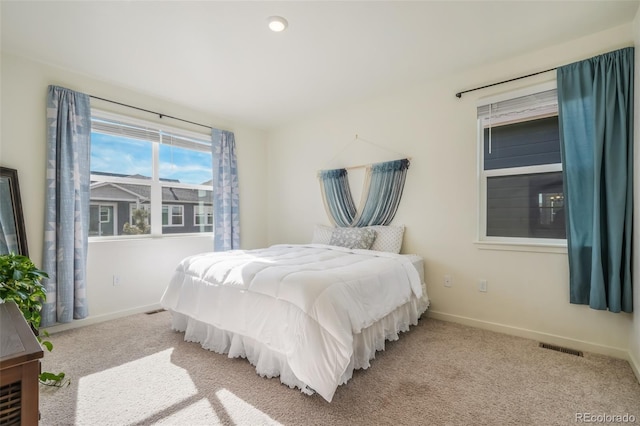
column 277, row 23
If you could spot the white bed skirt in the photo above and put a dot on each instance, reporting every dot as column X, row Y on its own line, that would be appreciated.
column 270, row 363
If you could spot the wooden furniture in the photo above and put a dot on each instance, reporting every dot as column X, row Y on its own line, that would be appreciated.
column 20, row 355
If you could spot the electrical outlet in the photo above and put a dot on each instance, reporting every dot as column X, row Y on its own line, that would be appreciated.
column 116, row 280
column 482, row 286
column 448, row 281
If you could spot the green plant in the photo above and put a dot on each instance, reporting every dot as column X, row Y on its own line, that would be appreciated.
column 140, row 219
column 21, row 282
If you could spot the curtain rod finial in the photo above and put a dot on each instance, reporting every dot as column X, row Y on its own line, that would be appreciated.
column 459, row 95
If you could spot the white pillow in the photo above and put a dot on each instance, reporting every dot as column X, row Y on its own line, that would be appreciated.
column 322, row 234
column 353, row 238
column 388, row 238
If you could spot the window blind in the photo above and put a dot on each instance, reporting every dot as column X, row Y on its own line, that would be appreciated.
column 523, row 108
column 117, row 128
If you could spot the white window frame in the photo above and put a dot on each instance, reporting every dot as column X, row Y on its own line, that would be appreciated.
column 154, row 183
column 170, row 216
column 510, row 243
column 100, row 221
column 114, row 216
column 205, row 211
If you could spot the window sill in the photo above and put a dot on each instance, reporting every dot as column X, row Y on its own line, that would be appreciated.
column 149, row 237
column 559, row 248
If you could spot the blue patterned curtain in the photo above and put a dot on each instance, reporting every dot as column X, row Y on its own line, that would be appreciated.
column 383, row 187
column 226, row 198
column 66, row 205
column 595, row 102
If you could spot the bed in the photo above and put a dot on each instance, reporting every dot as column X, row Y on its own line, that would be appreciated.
column 308, row 313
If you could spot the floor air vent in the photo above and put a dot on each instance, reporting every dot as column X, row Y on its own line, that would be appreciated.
column 560, row 349
column 154, row 312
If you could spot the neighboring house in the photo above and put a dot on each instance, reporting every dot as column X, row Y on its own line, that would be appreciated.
column 114, row 204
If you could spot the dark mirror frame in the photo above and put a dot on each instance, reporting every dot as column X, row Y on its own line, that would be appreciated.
column 16, row 205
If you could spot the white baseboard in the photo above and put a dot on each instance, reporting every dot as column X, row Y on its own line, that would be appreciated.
column 635, row 365
column 536, row 335
column 100, row 318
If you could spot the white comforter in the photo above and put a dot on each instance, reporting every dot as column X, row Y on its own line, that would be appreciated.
column 304, row 302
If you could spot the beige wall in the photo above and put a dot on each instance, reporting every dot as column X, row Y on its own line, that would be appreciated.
column 144, row 265
column 527, row 291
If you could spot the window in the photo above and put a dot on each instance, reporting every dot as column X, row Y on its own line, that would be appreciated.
column 203, row 215
column 139, row 222
column 147, row 178
column 105, row 214
column 136, row 215
column 172, row 215
column 101, row 219
column 521, row 185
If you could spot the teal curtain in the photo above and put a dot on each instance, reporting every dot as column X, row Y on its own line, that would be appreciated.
column 66, row 227
column 595, row 103
column 385, row 191
column 336, row 194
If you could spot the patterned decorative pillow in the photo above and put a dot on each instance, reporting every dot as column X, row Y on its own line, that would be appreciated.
column 353, row 238
column 322, row 234
column 388, row 238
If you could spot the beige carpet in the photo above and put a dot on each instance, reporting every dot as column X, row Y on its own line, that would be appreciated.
column 136, row 371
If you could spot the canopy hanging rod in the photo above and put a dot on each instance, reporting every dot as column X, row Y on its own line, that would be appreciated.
column 459, row 94
column 363, row 166
column 159, row 114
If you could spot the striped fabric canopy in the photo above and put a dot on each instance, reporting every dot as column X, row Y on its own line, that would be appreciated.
column 383, row 186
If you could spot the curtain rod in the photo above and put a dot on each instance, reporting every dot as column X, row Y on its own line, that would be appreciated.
column 459, row 94
column 151, row 112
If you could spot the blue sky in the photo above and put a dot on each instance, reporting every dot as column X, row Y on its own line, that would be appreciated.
column 114, row 154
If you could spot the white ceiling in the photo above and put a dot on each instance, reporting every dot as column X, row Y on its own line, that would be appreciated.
column 221, row 58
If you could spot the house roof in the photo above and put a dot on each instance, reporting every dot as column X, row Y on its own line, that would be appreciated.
column 108, row 191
